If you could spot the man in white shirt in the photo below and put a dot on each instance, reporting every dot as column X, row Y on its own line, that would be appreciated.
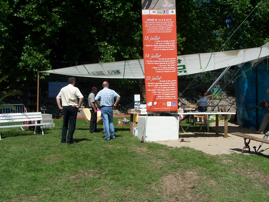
column 69, row 96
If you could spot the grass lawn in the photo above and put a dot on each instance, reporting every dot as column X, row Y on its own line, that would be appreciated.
column 40, row 168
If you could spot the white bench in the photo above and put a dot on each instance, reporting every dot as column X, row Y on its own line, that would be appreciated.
column 12, row 120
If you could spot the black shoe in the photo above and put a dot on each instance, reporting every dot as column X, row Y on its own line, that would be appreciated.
column 113, row 138
column 92, row 132
column 71, row 143
column 105, row 139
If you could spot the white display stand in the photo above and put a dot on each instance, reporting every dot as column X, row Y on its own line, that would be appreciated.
column 47, row 118
column 157, row 128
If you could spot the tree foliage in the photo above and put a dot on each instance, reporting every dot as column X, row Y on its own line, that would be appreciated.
column 5, row 94
column 206, row 25
column 35, row 33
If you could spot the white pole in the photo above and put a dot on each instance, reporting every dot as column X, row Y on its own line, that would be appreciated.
column 218, row 79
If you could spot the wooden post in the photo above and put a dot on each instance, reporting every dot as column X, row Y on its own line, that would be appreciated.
column 226, row 126
column 37, row 95
column 217, row 124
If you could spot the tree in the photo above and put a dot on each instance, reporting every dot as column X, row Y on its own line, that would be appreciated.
column 27, row 30
column 206, row 25
column 5, row 94
column 35, row 34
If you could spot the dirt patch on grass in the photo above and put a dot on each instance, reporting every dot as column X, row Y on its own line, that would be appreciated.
column 180, row 186
column 52, row 159
column 25, row 198
column 81, row 175
column 212, row 182
column 15, row 200
column 159, row 162
column 141, row 150
column 114, row 146
column 30, row 198
column 262, row 179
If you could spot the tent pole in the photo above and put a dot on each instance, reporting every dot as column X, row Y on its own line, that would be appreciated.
column 141, row 67
column 217, row 80
column 124, row 68
column 37, row 96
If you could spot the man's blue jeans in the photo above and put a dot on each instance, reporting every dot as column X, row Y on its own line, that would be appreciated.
column 107, row 116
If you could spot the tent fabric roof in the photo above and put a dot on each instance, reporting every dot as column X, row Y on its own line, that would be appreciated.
column 187, row 64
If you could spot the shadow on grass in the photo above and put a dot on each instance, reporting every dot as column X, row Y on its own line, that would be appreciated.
column 77, row 128
column 251, row 152
column 117, row 136
column 14, row 133
column 81, row 139
column 122, row 129
column 99, row 131
column 185, row 135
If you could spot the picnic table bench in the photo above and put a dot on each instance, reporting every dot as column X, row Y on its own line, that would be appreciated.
column 247, row 139
column 12, row 120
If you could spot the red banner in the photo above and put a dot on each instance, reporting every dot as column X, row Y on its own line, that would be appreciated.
column 160, row 54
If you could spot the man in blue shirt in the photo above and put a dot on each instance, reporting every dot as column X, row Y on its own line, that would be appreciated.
column 107, row 104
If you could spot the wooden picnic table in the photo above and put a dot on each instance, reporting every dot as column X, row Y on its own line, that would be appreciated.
column 217, row 114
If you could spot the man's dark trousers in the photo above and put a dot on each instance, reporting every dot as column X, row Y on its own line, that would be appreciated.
column 70, row 116
column 93, row 124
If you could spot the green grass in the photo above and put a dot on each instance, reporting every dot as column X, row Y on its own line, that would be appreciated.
column 40, row 168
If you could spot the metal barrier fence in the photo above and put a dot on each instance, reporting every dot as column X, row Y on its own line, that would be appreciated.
column 16, row 108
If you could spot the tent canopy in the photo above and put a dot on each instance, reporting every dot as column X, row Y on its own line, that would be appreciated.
column 187, row 64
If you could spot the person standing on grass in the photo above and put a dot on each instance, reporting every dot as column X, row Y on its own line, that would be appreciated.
column 93, row 109
column 106, row 98
column 69, row 96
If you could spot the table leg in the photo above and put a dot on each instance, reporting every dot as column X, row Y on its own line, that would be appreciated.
column 225, row 126
column 217, row 124
column 131, row 118
column 246, row 145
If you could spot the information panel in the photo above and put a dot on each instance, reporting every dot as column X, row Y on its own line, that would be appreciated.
column 160, row 54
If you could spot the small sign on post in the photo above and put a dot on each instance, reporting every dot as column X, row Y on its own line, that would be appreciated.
column 137, row 101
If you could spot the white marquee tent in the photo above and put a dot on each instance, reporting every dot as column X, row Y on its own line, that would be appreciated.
column 187, row 64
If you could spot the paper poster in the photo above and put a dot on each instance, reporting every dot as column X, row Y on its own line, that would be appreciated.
column 160, row 54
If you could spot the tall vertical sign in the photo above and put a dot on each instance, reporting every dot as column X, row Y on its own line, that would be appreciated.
column 160, row 54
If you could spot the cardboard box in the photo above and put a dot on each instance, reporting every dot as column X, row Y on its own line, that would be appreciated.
column 121, row 123
column 132, row 126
